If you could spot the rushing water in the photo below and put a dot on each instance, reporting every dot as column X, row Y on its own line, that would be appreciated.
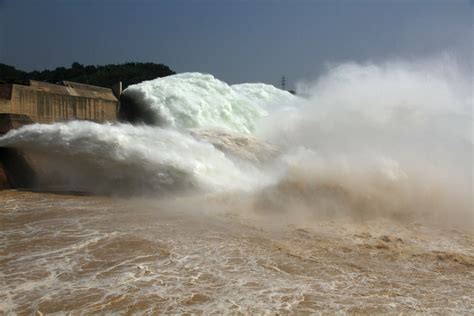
column 64, row 253
column 354, row 196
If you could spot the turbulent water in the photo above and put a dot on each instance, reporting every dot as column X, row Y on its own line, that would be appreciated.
column 194, row 100
column 355, row 195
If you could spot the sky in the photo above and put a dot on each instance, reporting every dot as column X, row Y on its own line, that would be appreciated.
column 235, row 40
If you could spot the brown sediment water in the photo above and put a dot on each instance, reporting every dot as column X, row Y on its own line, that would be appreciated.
column 82, row 254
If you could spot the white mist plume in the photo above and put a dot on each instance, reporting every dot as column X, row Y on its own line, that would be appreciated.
column 395, row 136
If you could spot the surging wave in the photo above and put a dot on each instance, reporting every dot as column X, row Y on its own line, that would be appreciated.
column 394, row 137
column 195, row 100
column 116, row 158
column 198, row 139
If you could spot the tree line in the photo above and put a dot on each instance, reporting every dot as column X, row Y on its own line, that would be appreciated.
column 104, row 76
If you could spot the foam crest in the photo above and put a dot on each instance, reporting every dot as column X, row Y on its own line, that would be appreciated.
column 195, row 100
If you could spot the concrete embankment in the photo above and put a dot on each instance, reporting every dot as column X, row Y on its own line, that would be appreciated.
column 41, row 102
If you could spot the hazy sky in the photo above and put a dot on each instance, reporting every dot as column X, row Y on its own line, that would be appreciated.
column 236, row 40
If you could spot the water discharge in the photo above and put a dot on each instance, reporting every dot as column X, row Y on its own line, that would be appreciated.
column 247, row 198
column 194, row 100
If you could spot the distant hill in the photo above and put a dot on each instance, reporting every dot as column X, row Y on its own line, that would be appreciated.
column 104, row 76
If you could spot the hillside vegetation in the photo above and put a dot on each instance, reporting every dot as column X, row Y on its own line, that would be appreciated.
column 104, row 76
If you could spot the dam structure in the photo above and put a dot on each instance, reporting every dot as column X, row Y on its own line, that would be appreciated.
column 29, row 102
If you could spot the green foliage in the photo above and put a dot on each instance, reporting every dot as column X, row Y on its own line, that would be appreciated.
column 9, row 73
column 104, row 76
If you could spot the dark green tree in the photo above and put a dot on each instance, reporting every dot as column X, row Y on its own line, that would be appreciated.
column 104, row 76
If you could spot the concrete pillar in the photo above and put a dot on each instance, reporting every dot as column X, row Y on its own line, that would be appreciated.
column 117, row 91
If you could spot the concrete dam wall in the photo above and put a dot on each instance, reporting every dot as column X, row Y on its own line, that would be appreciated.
column 40, row 102
column 47, row 103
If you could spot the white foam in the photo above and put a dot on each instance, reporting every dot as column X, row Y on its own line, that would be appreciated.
column 106, row 157
column 195, row 100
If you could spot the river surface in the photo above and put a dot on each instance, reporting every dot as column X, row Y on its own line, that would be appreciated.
column 72, row 254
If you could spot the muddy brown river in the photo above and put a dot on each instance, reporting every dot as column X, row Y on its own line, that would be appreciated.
column 70, row 254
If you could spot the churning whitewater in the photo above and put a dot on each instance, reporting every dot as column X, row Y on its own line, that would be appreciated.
column 393, row 136
column 169, row 155
column 195, row 100
column 247, row 199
